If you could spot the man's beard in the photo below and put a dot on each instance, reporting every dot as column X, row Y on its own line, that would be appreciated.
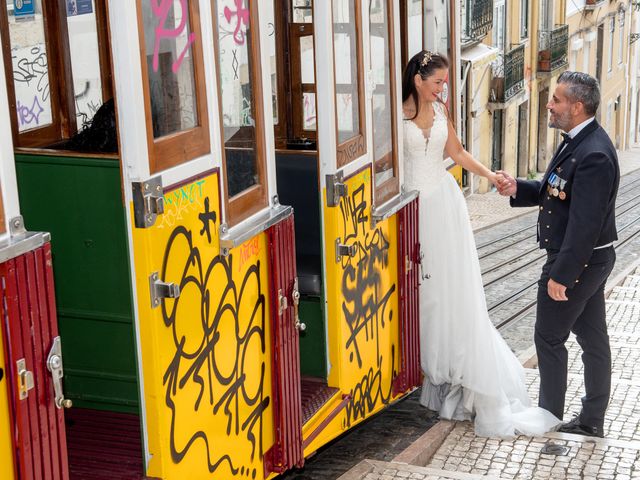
column 559, row 121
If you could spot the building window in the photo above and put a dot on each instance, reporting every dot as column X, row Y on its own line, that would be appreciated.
column 240, row 99
column 621, row 37
column 383, row 100
column 349, row 83
column 612, row 30
column 524, row 19
column 499, row 24
column 586, row 57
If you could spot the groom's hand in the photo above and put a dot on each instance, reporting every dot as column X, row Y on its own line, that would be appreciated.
column 557, row 291
column 507, row 185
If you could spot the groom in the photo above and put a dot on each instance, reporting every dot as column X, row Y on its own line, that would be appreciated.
column 576, row 226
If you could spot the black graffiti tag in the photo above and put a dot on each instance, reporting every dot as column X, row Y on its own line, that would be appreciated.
column 243, row 403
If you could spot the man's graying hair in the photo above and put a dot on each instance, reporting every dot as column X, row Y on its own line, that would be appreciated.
column 582, row 87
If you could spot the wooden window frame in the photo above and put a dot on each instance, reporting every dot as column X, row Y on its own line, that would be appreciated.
column 404, row 28
column 391, row 187
column 178, row 147
column 356, row 146
column 63, row 110
column 253, row 199
column 296, row 32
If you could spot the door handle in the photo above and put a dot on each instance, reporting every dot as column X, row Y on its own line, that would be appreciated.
column 54, row 365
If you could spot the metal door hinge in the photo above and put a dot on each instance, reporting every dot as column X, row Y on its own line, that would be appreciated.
column 283, row 303
column 160, row 289
column 54, row 365
column 345, row 250
column 301, row 327
column 336, row 189
column 25, row 379
column 148, row 201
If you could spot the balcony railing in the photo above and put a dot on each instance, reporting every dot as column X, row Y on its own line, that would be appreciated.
column 508, row 75
column 591, row 4
column 478, row 20
column 553, row 48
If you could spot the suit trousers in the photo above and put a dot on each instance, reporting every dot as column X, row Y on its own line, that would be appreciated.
column 583, row 314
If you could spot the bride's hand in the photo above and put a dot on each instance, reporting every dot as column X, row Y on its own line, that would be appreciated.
column 496, row 179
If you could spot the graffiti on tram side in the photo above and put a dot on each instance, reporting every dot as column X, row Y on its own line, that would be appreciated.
column 367, row 307
column 166, row 29
column 209, row 357
column 181, row 202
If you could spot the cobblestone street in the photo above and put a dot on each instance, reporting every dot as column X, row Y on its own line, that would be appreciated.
column 462, row 455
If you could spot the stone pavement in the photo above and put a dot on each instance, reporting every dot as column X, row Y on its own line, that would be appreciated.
column 488, row 208
column 450, row 450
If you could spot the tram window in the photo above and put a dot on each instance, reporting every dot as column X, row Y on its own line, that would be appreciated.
column 296, row 89
column 35, row 99
column 384, row 120
column 348, row 80
column 175, row 97
column 84, row 47
column 413, row 18
column 240, row 97
column 302, row 11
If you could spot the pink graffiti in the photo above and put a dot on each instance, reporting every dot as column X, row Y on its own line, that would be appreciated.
column 242, row 15
column 161, row 10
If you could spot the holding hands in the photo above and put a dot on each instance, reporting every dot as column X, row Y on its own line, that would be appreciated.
column 506, row 184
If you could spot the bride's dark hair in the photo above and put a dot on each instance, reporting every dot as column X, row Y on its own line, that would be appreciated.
column 424, row 63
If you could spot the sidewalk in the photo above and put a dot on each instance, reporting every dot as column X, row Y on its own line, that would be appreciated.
column 450, row 450
column 488, row 208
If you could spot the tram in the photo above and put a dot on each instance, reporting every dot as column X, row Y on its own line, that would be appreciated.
column 209, row 263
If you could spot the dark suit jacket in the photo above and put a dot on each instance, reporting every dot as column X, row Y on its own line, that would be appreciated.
column 585, row 219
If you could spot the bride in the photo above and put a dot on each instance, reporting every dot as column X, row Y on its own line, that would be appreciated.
column 470, row 372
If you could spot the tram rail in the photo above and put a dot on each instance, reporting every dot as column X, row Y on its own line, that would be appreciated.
column 525, row 289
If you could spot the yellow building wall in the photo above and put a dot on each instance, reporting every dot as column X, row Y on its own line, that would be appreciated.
column 205, row 355
column 362, row 305
column 6, row 445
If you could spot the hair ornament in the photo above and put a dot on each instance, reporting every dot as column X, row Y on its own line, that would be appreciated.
column 426, row 58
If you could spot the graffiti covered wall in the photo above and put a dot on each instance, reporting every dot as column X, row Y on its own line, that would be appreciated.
column 362, row 303
column 206, row 358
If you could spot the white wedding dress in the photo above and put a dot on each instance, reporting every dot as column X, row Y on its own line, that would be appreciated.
column 470, row 372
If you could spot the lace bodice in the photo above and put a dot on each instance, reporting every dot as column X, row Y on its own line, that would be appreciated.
column 424, row 158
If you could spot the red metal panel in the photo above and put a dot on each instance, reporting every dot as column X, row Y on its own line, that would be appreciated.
column 30, row 326
column 409, row 374
column 286, row 399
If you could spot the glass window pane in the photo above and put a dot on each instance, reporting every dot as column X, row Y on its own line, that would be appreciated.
column 168, row 40
column 30, row 65
column 302, row 11
column 273, row 63
column 238, row 109
column 382, row 106
column 85, row 62
column 346, row 69
column 306, row 59
column 309, row 111
column 414, row 27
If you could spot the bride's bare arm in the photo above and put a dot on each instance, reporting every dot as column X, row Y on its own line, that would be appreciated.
column 458, row 154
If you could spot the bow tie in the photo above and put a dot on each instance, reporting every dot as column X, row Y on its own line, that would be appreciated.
column 565, row 137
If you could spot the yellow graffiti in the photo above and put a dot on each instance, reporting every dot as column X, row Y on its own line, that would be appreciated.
column 206, row 354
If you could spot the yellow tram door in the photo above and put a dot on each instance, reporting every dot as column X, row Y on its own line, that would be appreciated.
column 212, row 245
column 368, row 223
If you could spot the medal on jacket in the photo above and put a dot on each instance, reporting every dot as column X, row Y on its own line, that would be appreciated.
column 562, row 194
column 554, row 181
